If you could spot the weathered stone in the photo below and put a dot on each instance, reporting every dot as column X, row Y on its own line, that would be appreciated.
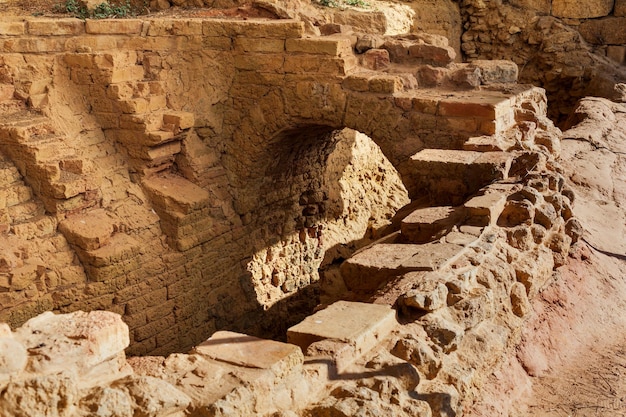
column 620, row 8
column 429, row 293
column 360, row 325
column 581, row 9
column 90, row 231
column 519, row 300
column 13, row 356
column 443, row 331
column 95, row 337
column 373, row 266
column 426, row 225
column 607, row 31
column 432, row 256
column 251, row 352
column 419, row 353
column 516, row 213
column 485, row 209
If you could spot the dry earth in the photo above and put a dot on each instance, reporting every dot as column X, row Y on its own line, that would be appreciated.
column 572, row 357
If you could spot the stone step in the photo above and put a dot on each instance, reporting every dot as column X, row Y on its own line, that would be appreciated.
column 343, row 331
column 375, row 266
column 90, row 230
column 450, row 176
column 429, row 224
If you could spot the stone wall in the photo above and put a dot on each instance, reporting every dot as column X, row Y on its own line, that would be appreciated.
column 161, row 216
column 572, row 49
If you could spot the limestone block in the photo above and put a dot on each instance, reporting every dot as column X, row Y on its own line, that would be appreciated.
column 361, row 325
column 519, row 300
column 251, row 352
column 496, row 71
column 385, row 84
column 73, row 342
column 428, row 293
column 432, row 256
column 332, row 46
column 12, row 28
column 474, row 307
column 516, row 213
column 607, row 31
column 259, row 45
column 175, row 193
column 442, row 330
column 340, row 354
column 113, row 26
column 275, row 29
column 545, row 215
column 485, row 209
column 56, row 27
column 120, row 247
column 432, row 54
column 174, row 27
column 88, row 231
column 153, row 396
column 428, row 224
column 620, row 8
column 41, row 395
column 418, row 352
column 617, row 53
column 581, row 9
column 179, row 119
column 13, row 355
column 373, row 266
column 375, row 59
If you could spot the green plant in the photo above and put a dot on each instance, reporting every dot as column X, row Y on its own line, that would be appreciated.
column 357, row 3
column 340, row 3
column 104, row 10
column 74, row 8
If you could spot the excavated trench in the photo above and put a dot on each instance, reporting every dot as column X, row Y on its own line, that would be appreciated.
column 238, row 202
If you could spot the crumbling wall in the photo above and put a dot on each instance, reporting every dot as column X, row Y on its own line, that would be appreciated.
column 572, row 49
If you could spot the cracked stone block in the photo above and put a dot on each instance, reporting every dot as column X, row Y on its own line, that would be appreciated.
column 428, row 293
column 251, row 352
column 360, row 325
column 77, row 341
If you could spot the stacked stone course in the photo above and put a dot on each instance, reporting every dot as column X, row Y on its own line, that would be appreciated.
column 212, row 202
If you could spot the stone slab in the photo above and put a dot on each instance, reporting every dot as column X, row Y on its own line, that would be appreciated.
column 175, row 193
column 89, row 231
column 485, row 209
column 361, row 325
column 251, row 352
column 428, row 224
column 432, row 256
column 368, row 269
column 606, row 31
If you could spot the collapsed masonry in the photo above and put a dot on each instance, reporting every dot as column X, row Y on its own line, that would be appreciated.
column 176, row 172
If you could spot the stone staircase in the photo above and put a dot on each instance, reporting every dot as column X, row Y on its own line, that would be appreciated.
column 60, row 178
column 131, row 107
column 33, row 255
